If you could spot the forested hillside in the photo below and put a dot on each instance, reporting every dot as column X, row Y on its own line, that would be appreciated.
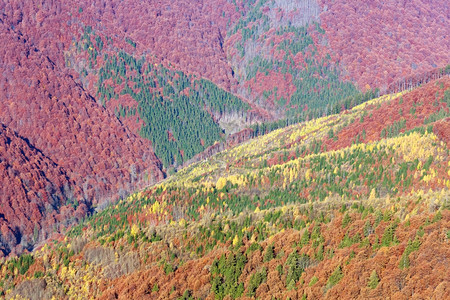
column 301, row 57
column 84, row 155
column 347, row 205
column 101, row 98
column 281, row 60
column 34, row 193
column 177, row 112
column 382, row 42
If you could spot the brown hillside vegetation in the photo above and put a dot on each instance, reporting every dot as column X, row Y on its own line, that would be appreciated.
column 63, row 121
column 63, row 154
column 276, row 216
column 424, row 277
column 411, row 110
column 185, row 34
column 34, row 189
column 41, row 101
column 373, row 248
column 380, row 42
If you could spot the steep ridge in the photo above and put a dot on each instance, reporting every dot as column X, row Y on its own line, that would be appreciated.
column 60, row 118
column 301, row 212
column 417, row 108
column 35, row 193
column 41, row 101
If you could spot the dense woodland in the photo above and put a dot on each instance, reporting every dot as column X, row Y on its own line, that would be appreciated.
column 281, row 62
column 399, row 38
column 90, row 156
column 178, row 112
column 318, row 209
column 286, row 148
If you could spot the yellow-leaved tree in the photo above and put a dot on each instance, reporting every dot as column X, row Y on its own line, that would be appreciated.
column 221, row 182
column 134, row 230
column 235, row 240
column 308, row 174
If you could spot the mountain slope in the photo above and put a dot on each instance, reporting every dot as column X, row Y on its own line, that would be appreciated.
column 274, row 55
column 382, row 42
column 113, row 96
column 301, row 251
column 34, row 190
column 316, row 210
column 41, row 102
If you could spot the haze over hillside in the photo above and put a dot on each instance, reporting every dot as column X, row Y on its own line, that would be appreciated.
column 215, row 108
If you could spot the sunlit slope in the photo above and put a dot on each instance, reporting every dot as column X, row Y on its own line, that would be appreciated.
column 338, row 206
column 374, row 247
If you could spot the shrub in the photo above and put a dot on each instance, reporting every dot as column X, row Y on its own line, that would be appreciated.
column 412, row 246
column 280, row 270
column 168, row 268
column 186, row 295
column 388, row 237
column 346, row 220
column 253, row 247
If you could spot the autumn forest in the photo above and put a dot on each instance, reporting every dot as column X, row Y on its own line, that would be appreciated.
column 224, row 149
